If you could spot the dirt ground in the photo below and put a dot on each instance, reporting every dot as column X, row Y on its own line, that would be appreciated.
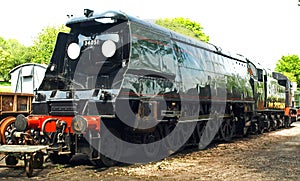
column 271, row 156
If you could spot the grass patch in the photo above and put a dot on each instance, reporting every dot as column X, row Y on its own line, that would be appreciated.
column 4, row 83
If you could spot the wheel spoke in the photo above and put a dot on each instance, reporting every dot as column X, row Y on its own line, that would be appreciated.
column 6, row 129
column 227, row 130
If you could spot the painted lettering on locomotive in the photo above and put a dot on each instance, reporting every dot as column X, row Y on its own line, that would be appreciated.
column 121, row 89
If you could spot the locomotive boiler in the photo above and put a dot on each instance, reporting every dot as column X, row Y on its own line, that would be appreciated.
column 121, row 89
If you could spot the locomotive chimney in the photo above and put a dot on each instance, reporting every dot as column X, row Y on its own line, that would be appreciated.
column 88, row 13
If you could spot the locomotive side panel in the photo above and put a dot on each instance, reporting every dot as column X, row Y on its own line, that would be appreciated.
column 257, row 84
column 275, row 94
column 201, row 75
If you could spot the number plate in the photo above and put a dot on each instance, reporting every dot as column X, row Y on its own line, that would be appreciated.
column 91, row 42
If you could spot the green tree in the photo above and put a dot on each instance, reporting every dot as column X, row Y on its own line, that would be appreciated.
column 45, row 42
column 4, row 57
column 12, row 54
column 290, row 67
column 184, row 26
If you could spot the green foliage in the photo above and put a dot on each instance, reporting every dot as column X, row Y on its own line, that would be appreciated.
column 45, row 42
column 184, row 26
column 4, row 57
column 290, row 67
column 290, row 76
column 12, row 54
column 5, row 83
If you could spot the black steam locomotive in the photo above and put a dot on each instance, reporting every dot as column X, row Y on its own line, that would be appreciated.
column 122, row 89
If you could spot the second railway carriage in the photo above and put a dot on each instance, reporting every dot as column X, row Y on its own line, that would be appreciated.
column 273, row 97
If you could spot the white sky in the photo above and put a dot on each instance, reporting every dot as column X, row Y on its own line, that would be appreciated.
column 262, row 29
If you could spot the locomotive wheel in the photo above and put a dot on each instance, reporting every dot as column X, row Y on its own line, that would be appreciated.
column 166, row 130
column 227, row 130
column 4, row 119
column 268, row 125
column 152, row 149
column 115, row 150
column 200, row 129
column 273, row 124
column 38, row 160
column 261, row 126
column 186, row 130
column 209, row 132
column 28, row 167
column 173, row 143
column 279, row 123
column 11, row 160
column 6, row 128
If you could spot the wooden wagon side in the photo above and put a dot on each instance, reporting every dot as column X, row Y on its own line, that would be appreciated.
column 12, row 104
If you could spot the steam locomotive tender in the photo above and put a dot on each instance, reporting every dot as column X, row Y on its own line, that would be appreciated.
column 117, row 74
